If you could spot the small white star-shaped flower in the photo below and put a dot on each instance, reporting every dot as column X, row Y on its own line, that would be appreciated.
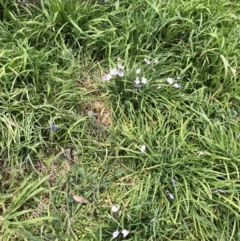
column 120, row 73
column 120, row 66
column 176, row 85
column 115, row 209
column 115, row 234
column 171, row 196
column 143, row 148
column 114, row 71
column 144, row 80
column 137, row 81
column 173, row 181
column 147, row 61
column 125, row 232
column 170, row 80
column 107, row 77
column 138, row 70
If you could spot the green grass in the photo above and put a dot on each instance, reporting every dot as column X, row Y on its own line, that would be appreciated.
column 53, row 59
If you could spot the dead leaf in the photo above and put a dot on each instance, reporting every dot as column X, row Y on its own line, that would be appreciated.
column 68, row 153
column 80, row 199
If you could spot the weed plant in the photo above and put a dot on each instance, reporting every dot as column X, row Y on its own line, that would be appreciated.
column 120, row 120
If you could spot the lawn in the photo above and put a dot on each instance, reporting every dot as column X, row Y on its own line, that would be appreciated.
column 120, row 120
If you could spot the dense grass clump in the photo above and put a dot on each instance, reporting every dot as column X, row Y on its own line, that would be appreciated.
column 119, row 120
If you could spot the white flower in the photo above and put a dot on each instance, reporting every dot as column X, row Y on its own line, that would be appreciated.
column 159, row 87
column 138, row 70
column 155, row 61
column 147, row 61
column 137, row 81
column 125, row 232
column 107, row 77
column 144, row 80
column 178, row 78
column 114, row 71
column 143, row 148
column 115, row 234
column 120, row 73
column 115, row 209
column 170, row 80
column 176, row 85
column 171, row 195
column 173, row 181
column 120, row 66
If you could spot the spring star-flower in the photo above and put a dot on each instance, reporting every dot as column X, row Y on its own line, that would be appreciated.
column 115, row 234
column 170, row 80
column 143, row 148
column 138, row 70
column 107, row 77
column 116, row 71
column 125, row 232
column 137, row 81
column 147, row 61
column 176, row 85
column 173, row 181
column 144, row 80
column 120, row 73
column 120, row 66
column 113, row 71
column 171, row 195
column 115, row 209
